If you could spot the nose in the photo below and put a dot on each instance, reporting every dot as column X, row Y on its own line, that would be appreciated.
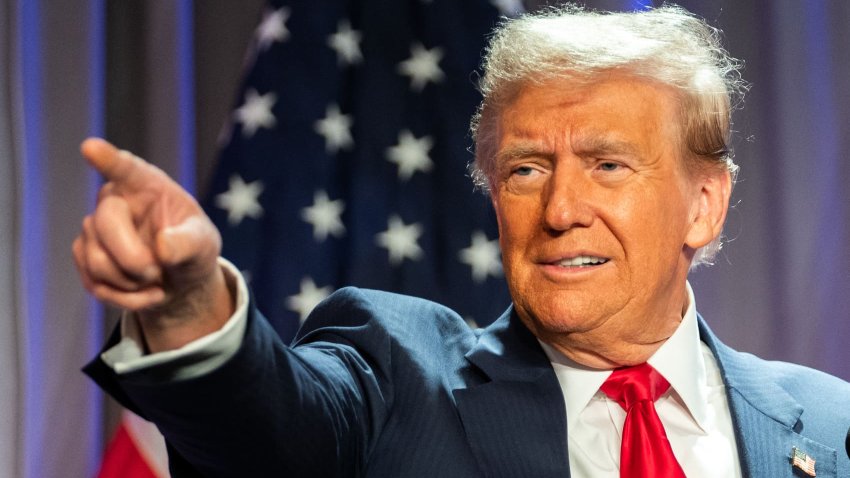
column 566, row 198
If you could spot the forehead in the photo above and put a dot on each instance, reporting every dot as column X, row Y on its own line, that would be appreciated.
column 615, row 111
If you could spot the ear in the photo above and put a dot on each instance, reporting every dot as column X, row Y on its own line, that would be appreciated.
column 709, row 211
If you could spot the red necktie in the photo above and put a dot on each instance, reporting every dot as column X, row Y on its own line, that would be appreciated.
column 645, row 451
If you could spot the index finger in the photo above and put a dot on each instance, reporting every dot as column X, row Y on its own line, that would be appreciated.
column 118, row 166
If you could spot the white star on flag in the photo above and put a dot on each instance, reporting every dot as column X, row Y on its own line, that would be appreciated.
column 273, row 28
column 335, row 127
column 411, row 154
column 401, row 240
column 346, row 43
column 422, row 66
column 324, row 215
column 510, row 8
column 256, row 112
column 307, row 298
column 241, row 200
column 482, row 256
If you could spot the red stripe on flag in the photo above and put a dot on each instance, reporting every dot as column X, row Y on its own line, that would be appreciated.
column 123, row 459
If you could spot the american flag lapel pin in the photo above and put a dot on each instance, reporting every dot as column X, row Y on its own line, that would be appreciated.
column 803, row 461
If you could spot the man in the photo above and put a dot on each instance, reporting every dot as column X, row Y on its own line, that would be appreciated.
column 603, row 142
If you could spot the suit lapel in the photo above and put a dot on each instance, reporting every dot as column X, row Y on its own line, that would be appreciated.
column 765, row 417
column 515, row 423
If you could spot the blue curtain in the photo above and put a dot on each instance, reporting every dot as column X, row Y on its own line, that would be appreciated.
column 52, row 78
column 53, row 89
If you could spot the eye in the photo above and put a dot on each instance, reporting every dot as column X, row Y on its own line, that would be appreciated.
column 611, row 172
column 525, row 178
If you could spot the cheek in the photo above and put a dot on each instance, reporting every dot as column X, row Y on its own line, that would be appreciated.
column 652, row 226
column 517, row 226
column 510, row 240
column 515, row 218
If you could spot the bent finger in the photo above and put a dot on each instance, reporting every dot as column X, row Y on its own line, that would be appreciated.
column 112, row 226
column 108, row 189
column 104, row 291
column 147, row 298
column 101, row 268
column 96, row 266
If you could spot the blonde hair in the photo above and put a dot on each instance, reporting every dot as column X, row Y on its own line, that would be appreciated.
column 667, row 45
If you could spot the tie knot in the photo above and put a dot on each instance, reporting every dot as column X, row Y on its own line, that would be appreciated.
column 629, row 385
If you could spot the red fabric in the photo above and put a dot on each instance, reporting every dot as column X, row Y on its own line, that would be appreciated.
column 123, row 458
column 645, row 451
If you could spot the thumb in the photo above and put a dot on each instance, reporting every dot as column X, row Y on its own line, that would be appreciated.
column 195, row 242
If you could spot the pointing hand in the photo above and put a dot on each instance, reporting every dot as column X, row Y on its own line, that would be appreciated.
column 148, row 247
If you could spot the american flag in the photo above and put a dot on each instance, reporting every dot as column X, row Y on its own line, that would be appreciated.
column 345, row 160
column 803, row 461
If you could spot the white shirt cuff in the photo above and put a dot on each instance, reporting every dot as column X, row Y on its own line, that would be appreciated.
column 194, row 359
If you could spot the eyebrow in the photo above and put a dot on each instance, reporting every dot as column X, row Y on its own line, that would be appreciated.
column 522, row 150
column 594, row 144
column 590, row 144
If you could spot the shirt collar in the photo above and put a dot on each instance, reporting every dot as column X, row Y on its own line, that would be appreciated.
column 679, row 360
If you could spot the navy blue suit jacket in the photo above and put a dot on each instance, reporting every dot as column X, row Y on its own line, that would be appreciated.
column 384, row 385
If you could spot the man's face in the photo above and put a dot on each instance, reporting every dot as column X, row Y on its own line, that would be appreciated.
column 596, row 211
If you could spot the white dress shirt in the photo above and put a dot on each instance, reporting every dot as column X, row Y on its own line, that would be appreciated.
column 694, row 411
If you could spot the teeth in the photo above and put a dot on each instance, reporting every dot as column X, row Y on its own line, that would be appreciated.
column 582, row 261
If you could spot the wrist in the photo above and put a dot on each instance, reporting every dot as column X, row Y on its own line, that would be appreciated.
column 197, row 312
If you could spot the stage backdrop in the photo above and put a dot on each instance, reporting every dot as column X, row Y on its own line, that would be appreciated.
column 161, row 77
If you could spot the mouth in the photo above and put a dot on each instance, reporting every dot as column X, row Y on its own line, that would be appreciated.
column 581, row 261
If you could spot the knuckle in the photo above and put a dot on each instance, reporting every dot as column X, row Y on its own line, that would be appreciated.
column 105, row 191
column 88, row 226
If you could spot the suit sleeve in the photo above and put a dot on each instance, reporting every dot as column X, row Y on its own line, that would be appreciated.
column 314, row 409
